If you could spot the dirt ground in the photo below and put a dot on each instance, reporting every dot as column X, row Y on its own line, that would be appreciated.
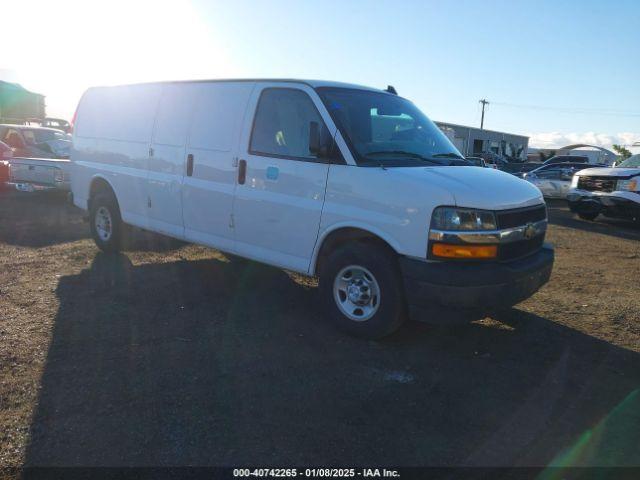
column 174, row 354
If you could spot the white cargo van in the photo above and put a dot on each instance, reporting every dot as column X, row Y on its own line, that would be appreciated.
column 353, row 184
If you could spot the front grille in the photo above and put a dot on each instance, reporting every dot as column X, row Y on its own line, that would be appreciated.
column 596, row 184
column 520, row 216
column 522, row 248
column 517, row 218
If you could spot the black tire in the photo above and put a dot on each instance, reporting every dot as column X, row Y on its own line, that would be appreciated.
column 99, row 204
column 383, row 265
column 588, row 216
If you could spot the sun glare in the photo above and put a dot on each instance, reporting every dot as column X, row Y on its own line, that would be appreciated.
column 102, row 43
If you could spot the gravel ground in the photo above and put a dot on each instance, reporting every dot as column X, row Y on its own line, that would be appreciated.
column 174, row 354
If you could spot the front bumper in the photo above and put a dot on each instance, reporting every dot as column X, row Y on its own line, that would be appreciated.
column 475, row 285
column 616, row 204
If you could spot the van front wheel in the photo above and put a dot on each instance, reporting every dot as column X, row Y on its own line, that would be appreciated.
column 105, row 221
column 361, row 289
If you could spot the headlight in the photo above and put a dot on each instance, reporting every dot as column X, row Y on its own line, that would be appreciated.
column 631, row 185
column 451, row 218
column 574, row 181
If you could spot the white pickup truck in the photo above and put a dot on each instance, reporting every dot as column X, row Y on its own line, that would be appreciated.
column 613, row 192
column 350, row 183
column 31, row 174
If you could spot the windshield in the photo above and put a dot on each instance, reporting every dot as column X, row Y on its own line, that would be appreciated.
column 384, row 129
column 33, row 137
column 631, row 162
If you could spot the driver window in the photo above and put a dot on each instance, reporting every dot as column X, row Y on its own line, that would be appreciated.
column 282, row 122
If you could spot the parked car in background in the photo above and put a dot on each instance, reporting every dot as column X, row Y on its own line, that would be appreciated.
column 5, row 154
column 611, row 191
column 350, row 183
column 520, row 169
column 476, row 161
column 57, row 123
column 32, row 174
column 35, row 142
column 492, row 160
column 554, row 180
column 566, row 159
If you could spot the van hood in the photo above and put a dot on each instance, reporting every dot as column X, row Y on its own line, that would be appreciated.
column 609, row 172
column 476, row 187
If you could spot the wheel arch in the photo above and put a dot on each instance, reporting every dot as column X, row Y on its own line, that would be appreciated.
column 98, row 185
column 338, row 235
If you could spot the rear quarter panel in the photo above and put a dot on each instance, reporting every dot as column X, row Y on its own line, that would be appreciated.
column 111, row 140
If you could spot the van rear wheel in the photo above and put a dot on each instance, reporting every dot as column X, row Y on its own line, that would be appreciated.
column 106, row 223
column 361, row 290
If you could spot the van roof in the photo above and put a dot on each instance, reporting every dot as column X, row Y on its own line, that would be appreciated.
column 311, row 83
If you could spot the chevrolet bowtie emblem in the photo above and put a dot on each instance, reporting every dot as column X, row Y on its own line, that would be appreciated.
column 529, row 231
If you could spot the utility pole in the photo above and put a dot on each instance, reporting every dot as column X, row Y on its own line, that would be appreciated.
column 483, row 102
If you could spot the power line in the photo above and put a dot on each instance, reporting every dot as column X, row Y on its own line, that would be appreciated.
column 573, row 110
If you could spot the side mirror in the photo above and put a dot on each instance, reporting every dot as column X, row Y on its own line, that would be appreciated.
column 319, row 140
column 314, row 138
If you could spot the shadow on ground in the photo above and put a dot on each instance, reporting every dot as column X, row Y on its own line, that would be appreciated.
column 42, row 219
column 39, row 219
column 559, row 214
column 214, row 363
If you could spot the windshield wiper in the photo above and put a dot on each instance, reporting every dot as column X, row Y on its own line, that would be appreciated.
column 402, row 152
column 448, row 155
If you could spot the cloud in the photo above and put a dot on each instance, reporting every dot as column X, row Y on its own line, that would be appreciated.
column 557, row 139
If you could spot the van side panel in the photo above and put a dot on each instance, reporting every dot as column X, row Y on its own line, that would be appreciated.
column 166, row 168
column 111, row 139
column 213, row 139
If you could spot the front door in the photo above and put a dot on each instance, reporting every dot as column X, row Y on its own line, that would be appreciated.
column 281, row 184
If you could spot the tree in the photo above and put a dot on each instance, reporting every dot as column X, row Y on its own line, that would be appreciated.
column 622, row 152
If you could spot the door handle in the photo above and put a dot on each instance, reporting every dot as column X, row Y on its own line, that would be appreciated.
column 242, row 172
column 189, row 165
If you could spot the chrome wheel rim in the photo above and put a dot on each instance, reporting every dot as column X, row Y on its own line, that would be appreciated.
column 103, row 223
column 357, row 293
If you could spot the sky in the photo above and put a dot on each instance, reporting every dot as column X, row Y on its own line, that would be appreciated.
column 559, row 71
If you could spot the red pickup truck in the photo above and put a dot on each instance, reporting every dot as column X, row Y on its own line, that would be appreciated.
column 5, row 154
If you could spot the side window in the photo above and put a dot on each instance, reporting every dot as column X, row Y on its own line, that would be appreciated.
column 282, row 124
column 29, row 137
column 13, row 139
column 550, row 174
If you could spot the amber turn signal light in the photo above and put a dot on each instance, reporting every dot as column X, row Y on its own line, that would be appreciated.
column 446, row 250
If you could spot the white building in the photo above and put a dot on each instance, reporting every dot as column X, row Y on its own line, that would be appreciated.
column 471, row 140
